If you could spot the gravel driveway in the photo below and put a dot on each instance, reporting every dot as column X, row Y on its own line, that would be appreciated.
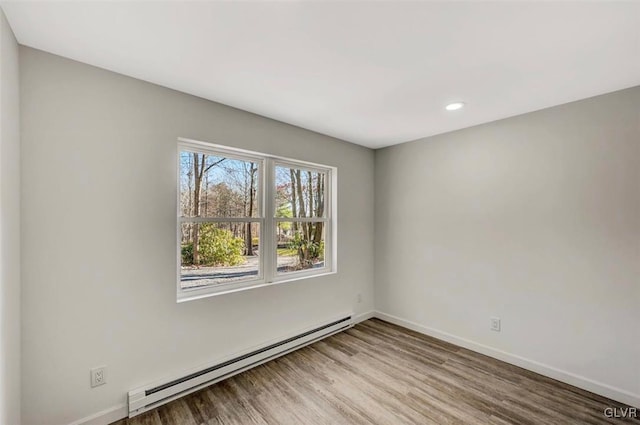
column 195, row 277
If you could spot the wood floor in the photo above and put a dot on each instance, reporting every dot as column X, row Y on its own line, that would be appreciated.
column 378, row 373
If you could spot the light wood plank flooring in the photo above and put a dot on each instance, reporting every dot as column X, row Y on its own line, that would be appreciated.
column 379, row 373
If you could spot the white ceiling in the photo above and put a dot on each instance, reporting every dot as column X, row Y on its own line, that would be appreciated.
column 373, row 73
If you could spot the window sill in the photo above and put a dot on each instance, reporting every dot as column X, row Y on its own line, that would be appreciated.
column 184, row 296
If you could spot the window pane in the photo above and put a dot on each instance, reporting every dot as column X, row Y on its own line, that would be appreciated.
column 227, row 252
column 300, row 246
column 299, row 193
column 215, row 186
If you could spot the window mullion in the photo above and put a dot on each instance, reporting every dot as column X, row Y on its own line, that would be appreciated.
column 220, row 219
column 302, row 219
column 269, row 250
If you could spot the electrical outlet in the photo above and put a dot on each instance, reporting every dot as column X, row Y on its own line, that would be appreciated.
column 359, row 297
column 98, row 376
column 495, row 324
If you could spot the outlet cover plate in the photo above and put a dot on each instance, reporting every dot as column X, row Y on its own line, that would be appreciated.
column 98, row 376
column 495, row 324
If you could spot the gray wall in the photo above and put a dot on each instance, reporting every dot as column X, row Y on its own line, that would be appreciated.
column 9, row 227
column 534, row 219
column 99, row 191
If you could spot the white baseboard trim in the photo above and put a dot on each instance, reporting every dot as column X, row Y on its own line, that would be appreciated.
column 532, row 365
column 104, row 417
column 363, row 316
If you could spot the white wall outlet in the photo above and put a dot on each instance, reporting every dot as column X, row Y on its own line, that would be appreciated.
column 98, row 376
column 359, row 298
column 495, row 324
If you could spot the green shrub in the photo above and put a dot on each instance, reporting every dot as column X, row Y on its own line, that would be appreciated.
column 187, row 253
column 218, row 247
column 309, row 252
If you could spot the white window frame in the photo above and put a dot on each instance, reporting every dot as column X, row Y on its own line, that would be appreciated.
column 267, row 273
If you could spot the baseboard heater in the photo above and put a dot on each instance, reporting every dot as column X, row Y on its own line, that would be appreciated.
column 152, row 396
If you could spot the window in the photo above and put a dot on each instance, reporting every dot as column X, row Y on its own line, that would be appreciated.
column 248, row 219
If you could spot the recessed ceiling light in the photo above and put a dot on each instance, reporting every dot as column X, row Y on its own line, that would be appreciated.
column 454, row 106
